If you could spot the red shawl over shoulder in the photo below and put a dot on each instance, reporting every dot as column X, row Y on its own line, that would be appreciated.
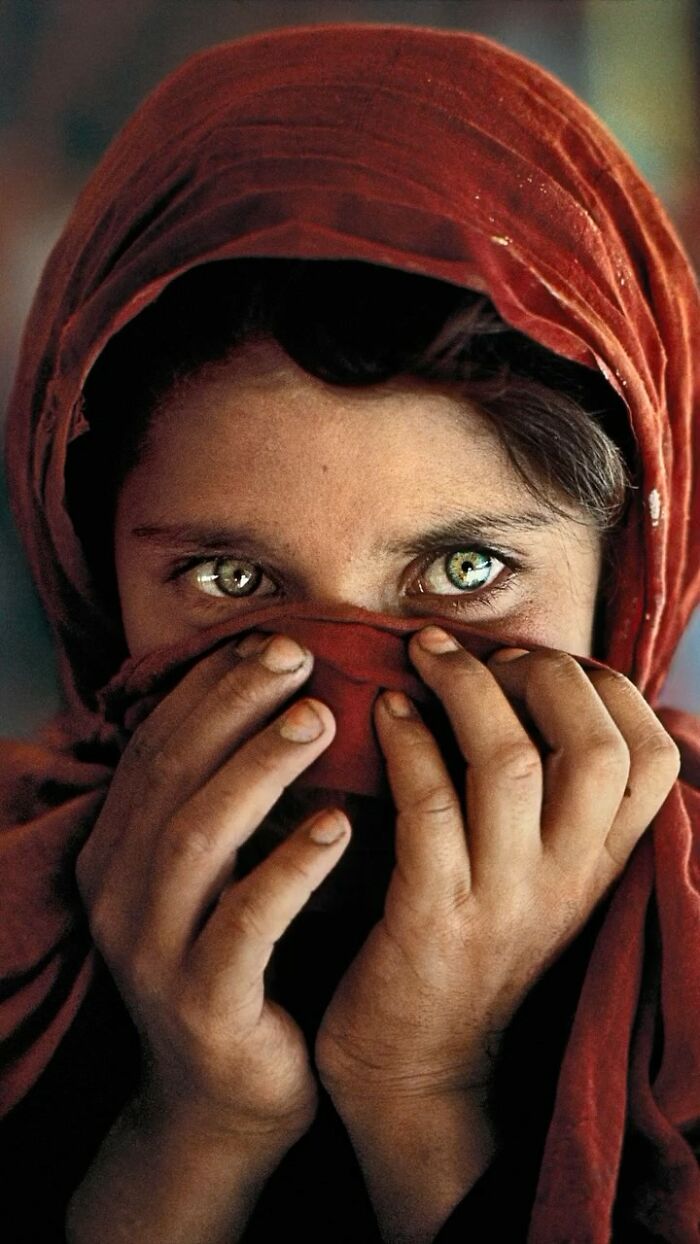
column 439, row 153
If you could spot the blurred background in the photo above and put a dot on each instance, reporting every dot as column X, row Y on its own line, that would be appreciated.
column 71, row 71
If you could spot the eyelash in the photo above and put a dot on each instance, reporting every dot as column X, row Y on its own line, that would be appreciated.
column 483, row 595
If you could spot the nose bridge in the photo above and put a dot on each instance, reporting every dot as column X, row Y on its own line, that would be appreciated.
column 349, row 581
column 341, row 568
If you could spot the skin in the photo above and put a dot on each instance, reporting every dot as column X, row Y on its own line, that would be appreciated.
column 480, row 902
column 316, row 517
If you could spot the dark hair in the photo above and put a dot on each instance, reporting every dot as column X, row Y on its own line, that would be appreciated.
column 355, row 324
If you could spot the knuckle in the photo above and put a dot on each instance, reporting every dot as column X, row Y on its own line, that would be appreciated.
column 269, row 757
column 189, row 839
column 516, row 761
column 614, row 687
column 142, row 974
column 248, row 918
column 463, row 668
column 438, row 802
column 295, row 870
column 659, row 749
column 141, row 748
column 165, row 767
column 415, row 736
column 223, row 659
column 103, row 922
column 263, row 761
column 553, row 662
column 100, row 923
column 605, row 752
column 614, row 680
column 200, row 676
column 238, row 689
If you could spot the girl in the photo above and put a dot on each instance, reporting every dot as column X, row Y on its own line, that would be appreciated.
column 363, row 366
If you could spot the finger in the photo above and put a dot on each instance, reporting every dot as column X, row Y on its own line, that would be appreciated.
column 654, row 761
column 251, row 915
column 195, row 854
column 216, row 707
column 188, row 691
column 504, row 771
column 430, row 845
column 587, row 769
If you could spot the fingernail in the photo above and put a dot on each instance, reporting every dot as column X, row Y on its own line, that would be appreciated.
column 252, row 643
column 282, row 655
column 434, row 639
column 327, row 827
column 507, row 654
column 301, row 724
column 398, row 704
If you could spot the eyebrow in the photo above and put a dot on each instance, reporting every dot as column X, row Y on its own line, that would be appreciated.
column 454, row 527
column 468, row 525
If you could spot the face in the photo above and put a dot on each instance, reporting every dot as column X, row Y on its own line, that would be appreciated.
column 260, row 482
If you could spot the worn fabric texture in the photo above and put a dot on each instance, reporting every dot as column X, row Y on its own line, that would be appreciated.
column 444, row 154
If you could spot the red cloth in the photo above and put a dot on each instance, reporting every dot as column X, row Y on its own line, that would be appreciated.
column 443, row 154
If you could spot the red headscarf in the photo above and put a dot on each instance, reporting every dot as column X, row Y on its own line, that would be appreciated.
column 443, row 154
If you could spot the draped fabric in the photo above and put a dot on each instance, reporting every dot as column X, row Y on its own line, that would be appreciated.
column 444, row 154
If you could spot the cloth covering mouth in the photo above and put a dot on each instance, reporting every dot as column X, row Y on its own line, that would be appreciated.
column 357, row 654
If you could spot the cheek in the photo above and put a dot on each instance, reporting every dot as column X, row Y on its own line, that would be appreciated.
column 147, row 624
column 144, row 621
column 142, row 625
column 572, row 604
column 560, row 606
column 148, row 620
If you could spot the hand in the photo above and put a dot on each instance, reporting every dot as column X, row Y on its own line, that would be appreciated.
column 481, row 902
column 187, row 946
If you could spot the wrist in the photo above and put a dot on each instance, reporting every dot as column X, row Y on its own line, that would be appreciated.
column 403, row 1117
column 420, row 1156
column 365, row 1099
column 191, row 1120
column 354, row 1084
column 172, row 1180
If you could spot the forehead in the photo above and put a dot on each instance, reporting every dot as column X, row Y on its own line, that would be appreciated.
column 259, row 442
column 260, row 432
column 258, row 387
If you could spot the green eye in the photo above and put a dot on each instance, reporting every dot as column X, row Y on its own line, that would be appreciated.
column 232, row 576
column 468, row 568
